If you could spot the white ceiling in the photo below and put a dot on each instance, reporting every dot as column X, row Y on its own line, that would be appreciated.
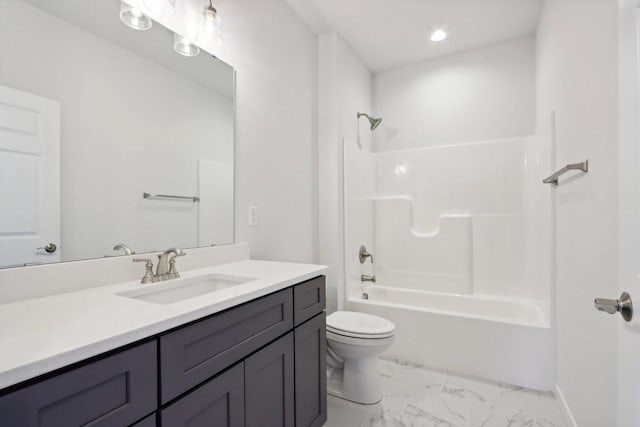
column 387, row 34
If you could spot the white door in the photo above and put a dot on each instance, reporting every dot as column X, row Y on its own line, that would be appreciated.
column 629, row 234
column 29, row 178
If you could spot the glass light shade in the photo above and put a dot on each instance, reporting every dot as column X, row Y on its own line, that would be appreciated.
column 161, row 7
column 210, row 29
column 133, row 17
column 184, row 47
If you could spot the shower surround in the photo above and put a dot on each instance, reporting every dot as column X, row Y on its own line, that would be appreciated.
column 461, row 241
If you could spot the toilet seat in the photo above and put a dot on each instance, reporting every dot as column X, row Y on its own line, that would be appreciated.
column 358, row 336
column 359, row 341
column 359, row 325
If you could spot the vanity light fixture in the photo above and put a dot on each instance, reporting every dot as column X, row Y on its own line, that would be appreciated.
column 438, row 35
column 133, row 17
column 184, row 46
column 211, row 26
column 161, row 7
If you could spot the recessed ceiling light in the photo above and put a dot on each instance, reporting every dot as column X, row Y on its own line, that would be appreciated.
column 438, row 35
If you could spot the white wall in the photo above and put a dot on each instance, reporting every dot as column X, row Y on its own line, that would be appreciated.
column 276, row 58
column 483, row 94
column 577, row 77
column 110, row 155
column 345, row 89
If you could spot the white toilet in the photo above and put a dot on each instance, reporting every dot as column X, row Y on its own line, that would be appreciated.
column 354, row 341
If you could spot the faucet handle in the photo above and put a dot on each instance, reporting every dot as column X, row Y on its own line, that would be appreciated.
column 173, row 273
column 363, row 254
column 148, row 274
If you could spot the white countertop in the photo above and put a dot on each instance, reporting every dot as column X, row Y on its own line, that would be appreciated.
column 40, row 335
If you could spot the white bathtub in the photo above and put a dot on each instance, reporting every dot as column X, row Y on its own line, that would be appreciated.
column 501, row 339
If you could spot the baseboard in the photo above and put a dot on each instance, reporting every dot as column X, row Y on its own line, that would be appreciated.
column 566, row 411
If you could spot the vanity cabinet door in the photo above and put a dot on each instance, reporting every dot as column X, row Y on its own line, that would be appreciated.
column 150, row 421
column 115, row 391
column 269, row 385
column 311, row 372
column 218, row 403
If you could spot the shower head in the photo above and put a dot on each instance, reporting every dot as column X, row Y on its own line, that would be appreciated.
column 374, row 122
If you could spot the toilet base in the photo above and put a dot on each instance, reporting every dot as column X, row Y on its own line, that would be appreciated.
column 358, row 381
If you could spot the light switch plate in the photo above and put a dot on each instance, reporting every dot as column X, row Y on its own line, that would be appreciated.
column 253, row 216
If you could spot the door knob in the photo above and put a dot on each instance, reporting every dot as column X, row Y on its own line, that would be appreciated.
column 624, row 306
column 50, row 248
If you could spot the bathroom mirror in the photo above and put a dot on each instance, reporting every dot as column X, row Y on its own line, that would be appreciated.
column 108, row 136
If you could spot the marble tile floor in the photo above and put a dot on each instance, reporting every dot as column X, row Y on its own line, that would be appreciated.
column 415, row 396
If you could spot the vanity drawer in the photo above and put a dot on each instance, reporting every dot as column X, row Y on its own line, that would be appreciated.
column 115, row 391
column 196, row 352
column 308, row 299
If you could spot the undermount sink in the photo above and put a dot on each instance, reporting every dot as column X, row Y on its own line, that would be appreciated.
column 182, row 289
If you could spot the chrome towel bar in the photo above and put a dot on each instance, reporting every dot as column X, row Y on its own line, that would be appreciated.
column 167, row 196
column 582, row 166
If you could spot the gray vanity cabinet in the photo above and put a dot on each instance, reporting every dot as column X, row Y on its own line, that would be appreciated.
column 309, row 299
column 150, row 421
column 259, row 364
column 310, row 372
column 194, row 353
column 115, row 391
column 269, row 385
column 218, row 403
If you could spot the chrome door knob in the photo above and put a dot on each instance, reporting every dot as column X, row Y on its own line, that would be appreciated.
column 624, row 306
column 50, row 248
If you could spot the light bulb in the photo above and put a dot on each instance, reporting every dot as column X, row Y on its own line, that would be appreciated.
column 210, row 27
column 184, row 46
column 133, row 17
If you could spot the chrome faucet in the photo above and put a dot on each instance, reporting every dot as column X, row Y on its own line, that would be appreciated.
column 166, row 268
column 123, row 247
column 365, row 278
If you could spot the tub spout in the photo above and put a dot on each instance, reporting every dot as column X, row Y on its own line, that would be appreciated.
column 365, row 278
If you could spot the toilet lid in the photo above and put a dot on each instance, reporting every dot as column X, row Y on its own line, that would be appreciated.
column 351, row 323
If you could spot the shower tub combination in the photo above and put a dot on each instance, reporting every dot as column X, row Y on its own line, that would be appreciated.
column 460, row 236
column 503, row 339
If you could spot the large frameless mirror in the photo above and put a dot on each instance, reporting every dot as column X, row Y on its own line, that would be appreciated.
column 110, row 141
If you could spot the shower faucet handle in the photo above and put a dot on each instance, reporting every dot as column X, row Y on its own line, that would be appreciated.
column 363, row 255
